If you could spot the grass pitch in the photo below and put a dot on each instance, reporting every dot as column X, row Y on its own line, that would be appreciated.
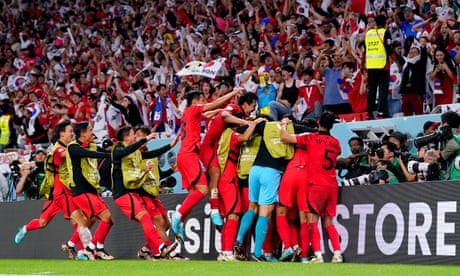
column 189, row 268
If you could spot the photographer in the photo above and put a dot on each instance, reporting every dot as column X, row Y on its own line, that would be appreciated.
column 384, row 172
column 32, row 174
column 450, row 121
column 426, row 167
column 388, row 151
column 429, row 127
column 381, row 173
column 354, row 163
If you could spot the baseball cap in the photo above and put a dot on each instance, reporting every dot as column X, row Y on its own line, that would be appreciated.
column 35, row 152
column 42, row 150
column 398, row 135
column 429, row 124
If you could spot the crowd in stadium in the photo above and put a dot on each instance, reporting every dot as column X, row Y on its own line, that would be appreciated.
column 135, row 63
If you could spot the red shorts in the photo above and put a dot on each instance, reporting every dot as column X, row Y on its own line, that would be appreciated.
column 191, row 170
column 293, row 188
column 154, row 206
column 322, row 200
column 63, row 202
column 130, row 204
column 208, row 155
column 90, row 204
column 49, row 210
column 229, row 194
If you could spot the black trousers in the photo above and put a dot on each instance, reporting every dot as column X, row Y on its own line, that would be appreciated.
column 377, row 79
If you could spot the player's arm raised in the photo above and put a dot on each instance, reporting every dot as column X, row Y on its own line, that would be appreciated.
column 222, row 100
column 285, row 137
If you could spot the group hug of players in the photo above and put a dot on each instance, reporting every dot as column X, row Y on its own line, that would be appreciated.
column 256, row 168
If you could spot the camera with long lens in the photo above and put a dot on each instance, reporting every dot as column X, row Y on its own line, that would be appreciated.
column 366, row 179
column 456, row 163
column 428, row 171
column 430, row 140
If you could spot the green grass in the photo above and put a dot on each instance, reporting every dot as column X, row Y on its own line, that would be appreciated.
column 171, row 268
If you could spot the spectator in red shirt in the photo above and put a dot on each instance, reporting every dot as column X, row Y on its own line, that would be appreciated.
column 79, row 110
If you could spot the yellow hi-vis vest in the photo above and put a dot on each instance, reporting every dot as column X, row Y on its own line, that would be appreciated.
column 134, row 175
column 248, row 153
column 376, row 55
column 50, row 172
column 5, row 129
column 275, row 147
column 249, row 150
column 151, row 181
column 89, row 168
column 224, row 148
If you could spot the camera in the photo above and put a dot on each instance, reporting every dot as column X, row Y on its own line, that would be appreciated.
column 429, row 171
column 430, row 140
column 366, row 179
column 31, row 185
column 373, row 148
column 405, row 155
column 457, row 163
column 15, row 168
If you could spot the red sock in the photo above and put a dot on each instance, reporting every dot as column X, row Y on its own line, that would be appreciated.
column 223, row 236
column 229, row 235
column 101, row 232
column 293, row 233
column 75, row 238
column 334, row 237
column 150, row 233
column 305, row 237
column 214, row 203
column 33, row 225
column 189, row 202
column 79, row 245
column 315, row 237
column 283, row 230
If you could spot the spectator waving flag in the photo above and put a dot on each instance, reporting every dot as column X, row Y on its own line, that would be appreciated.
column 210, row 69
column 108, row 120
column 140, row 44
column 16, row 82
column 250, row 8
column 303, row 8
column 100, row 124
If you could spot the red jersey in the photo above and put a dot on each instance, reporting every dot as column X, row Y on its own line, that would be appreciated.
column 191, row 129
column 357, row 101
column 217, row 125
column 322, row 152
column 234, row 153
column 58, row 158
column 311, row 94
column 299, row 159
